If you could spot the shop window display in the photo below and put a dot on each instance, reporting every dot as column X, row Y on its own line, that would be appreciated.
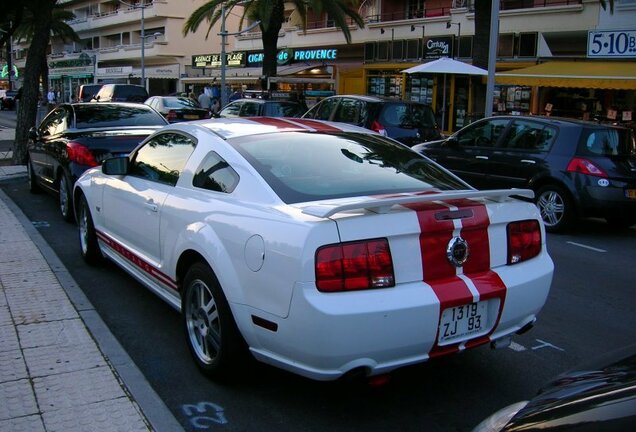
column 420, row 89
column 385, row 85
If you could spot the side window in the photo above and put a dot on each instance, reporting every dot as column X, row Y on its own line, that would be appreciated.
column 54, row 123
column 249, row 109
column 483, row 134
column 232, row 110
column 528, row 136
column 325, row 109
column 349, row 111
column 215, row 174
column 162, row 158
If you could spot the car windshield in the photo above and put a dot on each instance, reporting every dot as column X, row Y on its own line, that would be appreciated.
column 101, row 115
column 283, row 109
column 610, row 142
column 303, row 167
column 401, row 114
column 179, row 102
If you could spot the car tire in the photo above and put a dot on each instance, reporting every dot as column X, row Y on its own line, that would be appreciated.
column 212, row 335
column 87, row 234
column 65, row 199
column 34, row 187
column 556, row 207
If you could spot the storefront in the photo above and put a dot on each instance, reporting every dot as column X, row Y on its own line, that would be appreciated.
column 160, row 80
column 449, row 95
column 65, row 76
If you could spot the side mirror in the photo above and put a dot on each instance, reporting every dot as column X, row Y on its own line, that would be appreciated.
column 116, row 166
column 451, row 142
column 33, row 135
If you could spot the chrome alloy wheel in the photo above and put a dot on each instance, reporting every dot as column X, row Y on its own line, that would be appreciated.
column 203, row 322
column 552, row 207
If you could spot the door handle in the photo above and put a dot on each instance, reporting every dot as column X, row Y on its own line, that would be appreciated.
column 481, row 157
column 528, row 161
column 151, row 206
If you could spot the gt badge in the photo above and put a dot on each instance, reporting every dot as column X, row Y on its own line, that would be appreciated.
column 457, row 251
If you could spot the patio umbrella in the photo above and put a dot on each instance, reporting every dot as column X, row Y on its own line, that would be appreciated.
column 445, row 65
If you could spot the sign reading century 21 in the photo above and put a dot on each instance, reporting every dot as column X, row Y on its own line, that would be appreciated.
column 611, row 43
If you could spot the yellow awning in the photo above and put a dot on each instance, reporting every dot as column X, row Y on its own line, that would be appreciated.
column 580, row 74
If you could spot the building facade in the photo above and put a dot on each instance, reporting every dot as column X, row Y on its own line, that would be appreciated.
column 559, row 57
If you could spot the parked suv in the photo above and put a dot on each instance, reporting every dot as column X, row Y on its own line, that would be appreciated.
column 121, row 93
column 576, row 168
column 87, row 92
column 408, row 122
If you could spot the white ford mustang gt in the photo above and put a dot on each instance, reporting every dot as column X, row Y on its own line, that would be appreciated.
column 320, row 248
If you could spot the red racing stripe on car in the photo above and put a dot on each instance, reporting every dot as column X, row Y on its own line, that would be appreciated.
column 138, row 262
column 442, row 276
column 318, row 126
column 277, row 123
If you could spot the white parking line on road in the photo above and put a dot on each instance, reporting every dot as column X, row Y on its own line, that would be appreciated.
column 587, row 247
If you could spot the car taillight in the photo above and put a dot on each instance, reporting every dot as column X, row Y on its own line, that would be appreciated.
column 172, row 115
column 377, row 126
column 354, row 266
column 80, row 154
column 524, row 241
column 585, row 166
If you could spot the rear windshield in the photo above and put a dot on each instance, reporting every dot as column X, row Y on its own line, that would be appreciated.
column 180, row 102
column 609, row 142
column 396, row 114
column 302, row 166
column 101, row 115
column 283, row 109
column 127, row 91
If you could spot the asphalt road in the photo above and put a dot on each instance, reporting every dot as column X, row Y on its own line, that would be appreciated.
column 590, row 311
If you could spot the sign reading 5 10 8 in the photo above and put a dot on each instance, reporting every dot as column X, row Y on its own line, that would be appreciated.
column 611, row 43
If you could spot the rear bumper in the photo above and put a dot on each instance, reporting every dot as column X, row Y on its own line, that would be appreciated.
column 328, row 335
column 608, row 200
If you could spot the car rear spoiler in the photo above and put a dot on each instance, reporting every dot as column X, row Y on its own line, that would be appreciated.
column 380, row 204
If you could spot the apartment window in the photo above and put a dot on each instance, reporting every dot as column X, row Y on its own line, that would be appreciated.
column 415, row 8
column 369, row 51
column 527, row 45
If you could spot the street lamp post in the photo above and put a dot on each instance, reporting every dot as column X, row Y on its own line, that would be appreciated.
column 143, row 7
column 224, row 34
column 459, row 34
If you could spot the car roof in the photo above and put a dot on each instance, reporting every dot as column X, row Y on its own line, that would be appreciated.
column 234, row 127
column 562, row 121
column 377, row 99
column 262, row 101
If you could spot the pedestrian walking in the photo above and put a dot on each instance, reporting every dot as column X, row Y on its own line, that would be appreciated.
column 204, row 100
column 50, row 98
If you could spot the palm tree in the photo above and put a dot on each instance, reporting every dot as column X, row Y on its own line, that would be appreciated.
column 38, row 20
column 271, row 14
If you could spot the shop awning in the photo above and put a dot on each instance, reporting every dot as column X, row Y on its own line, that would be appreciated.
column 578, row 74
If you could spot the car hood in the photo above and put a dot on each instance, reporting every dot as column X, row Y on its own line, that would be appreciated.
column 603, row 391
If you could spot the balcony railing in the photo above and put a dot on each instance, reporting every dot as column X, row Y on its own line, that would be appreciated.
column 529, row 4
column 385, row 17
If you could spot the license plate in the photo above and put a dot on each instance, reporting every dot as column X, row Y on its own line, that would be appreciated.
column 190, row 116
column 460, row 322
column 630, row 193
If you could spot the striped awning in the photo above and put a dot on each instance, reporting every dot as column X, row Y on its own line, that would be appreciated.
column 576, row 74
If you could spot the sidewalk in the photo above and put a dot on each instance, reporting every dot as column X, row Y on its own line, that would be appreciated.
column 60, row 367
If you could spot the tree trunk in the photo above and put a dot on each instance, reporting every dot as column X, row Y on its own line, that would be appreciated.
column 270, row 40
column 481, row 42
column 28, row 105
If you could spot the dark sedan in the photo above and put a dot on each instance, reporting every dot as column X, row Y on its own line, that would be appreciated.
column 600, row 396
column 576, row 168
column 75, row 137
column 177, row 109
